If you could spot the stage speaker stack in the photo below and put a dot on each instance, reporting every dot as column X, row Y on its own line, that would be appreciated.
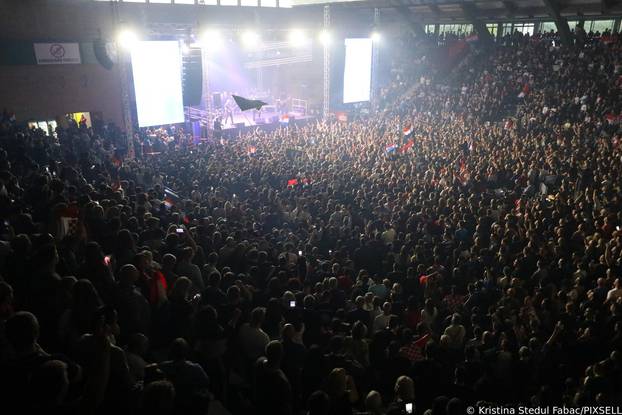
column 101, row 54
column 239, row 125
column 192, row 78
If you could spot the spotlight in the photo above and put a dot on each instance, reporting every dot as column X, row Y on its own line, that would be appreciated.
column 211, row 39
column 375, row 36
column 297, row 38
column 127, row 39
column 250, row 39
column 325, row 37
column 185, row 49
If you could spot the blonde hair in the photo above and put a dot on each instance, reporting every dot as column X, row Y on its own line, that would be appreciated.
column 336, row 382
column 373, row 402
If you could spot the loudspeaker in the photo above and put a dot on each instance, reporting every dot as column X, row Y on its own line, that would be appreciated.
column 217, row 100
column 99, row 48
column 239, row 125
column 192, row 78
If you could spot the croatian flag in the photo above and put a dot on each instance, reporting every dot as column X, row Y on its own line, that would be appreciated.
column 170, row 198
column 407, row 146
column 284, row 120
column 408, row 131
column 390, row 148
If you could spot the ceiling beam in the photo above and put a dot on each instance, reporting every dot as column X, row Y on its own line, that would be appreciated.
column 510, row 8
column 408, row 17
column 606, row 5
column 561, row 22
column 472, row 15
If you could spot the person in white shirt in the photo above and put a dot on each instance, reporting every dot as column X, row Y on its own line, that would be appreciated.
column 388, row 236
column 253, row 340
column 429, row 314
column 382, row 320
column 456, row 332
column 185, row 268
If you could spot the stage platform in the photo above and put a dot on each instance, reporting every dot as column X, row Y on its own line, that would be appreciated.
column 202, row 125
column 247, row 120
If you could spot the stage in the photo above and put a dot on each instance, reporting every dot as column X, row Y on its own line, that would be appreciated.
column 201, row 123
column 246, row 120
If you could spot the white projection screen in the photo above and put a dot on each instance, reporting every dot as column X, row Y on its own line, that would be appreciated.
column 156, row 67
column 357, row 70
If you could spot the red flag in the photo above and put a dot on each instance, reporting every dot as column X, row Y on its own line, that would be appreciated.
column 612, row 118
column 406, row 146
column 509, row 124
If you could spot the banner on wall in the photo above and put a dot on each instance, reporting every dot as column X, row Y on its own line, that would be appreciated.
column 57, row 53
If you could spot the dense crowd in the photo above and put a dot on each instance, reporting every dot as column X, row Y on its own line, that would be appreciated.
column 331, row 267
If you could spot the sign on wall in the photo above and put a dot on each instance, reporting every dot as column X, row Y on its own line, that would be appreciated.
column 57, row 53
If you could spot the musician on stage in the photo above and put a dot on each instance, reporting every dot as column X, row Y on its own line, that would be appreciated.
column 229, row 111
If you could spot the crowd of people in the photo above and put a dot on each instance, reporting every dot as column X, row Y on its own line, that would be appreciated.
column 332, row 267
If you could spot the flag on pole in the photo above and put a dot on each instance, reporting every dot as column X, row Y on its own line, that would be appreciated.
column 246, row 104
column 509, row 124
column 407, row 146
column 284, row 120
column 408, row 131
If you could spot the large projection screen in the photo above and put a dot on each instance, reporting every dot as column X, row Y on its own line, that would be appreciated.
column 156, row 67
column 357, row 70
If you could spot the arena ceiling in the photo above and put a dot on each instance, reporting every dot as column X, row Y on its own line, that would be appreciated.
column 464, row 10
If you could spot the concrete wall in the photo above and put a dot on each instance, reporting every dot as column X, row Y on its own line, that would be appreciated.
column 46, row 91
column 43, row 92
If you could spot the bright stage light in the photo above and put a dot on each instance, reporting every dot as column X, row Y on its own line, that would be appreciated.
column 250, row 39
column 297, row 38
column 212, row 40
column 127, row 39
column 375, row 36
column 185, row 49
column 325, row 37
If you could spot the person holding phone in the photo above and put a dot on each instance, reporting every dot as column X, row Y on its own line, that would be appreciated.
column 404, row 401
